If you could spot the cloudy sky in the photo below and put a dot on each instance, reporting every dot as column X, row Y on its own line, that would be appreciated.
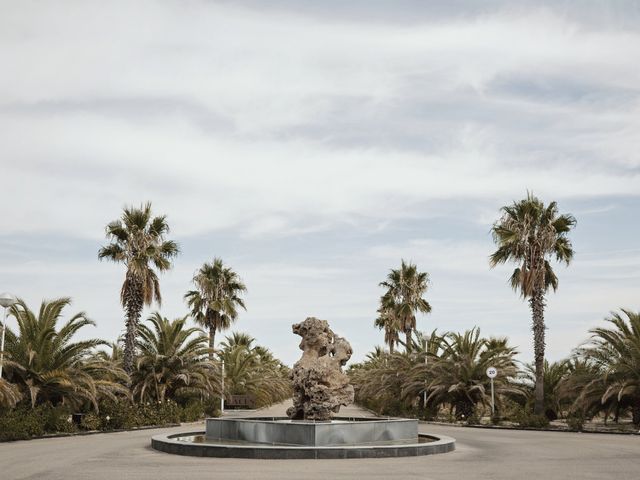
column 312, row 145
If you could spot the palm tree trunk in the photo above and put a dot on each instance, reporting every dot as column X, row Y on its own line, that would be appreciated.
column 212, row 341
column 133, row 302
column 537, row 314
column 391, row 346
column 407, row 339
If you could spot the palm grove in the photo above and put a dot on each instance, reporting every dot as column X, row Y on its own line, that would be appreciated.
column 163, row 370
column 160, row 371
column 436, row 374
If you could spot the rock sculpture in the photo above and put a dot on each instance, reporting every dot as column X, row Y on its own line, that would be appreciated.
column 320, row 386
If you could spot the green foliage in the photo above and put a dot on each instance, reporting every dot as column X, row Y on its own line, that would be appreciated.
column 400, row 303
column 172, row 362
column 9, row 393
column 24, row 422
column 192, row 412
column 253, row 370
column 215, row 302
column 138, row 241
column 126, row 415
column 575, row 422
column 526, row 419
column 48, row 367
column 91, row 421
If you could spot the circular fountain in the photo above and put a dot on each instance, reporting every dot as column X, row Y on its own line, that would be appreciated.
column 310, row 430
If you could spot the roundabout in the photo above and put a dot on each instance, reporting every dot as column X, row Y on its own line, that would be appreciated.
column 339, row 439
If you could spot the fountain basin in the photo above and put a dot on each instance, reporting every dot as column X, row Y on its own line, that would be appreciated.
column 340, row 431
column 341, row 438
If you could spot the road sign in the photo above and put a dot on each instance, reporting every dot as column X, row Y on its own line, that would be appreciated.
column 492, row 372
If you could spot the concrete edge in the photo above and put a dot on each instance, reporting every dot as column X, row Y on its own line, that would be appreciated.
column 526, row 429
column 83, row 433
column 169, row 444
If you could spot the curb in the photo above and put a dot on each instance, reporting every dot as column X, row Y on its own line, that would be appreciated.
column 528, row 429
column 96, row 432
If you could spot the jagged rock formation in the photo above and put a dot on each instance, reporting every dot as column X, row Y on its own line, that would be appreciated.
column 320, row 386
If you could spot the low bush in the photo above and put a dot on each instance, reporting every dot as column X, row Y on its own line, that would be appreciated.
column 192, row 412
column 90, row 421
column 575, row 422
column 25, row 422
column 530, row 420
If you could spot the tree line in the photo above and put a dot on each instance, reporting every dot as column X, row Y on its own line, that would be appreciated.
column 157, row 360
column 448, row 370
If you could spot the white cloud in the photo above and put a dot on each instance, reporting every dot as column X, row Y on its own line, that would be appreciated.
column 262, row 124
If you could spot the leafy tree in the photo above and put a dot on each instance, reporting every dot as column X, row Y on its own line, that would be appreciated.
column 173, row 361
column 530, row 234
column 215, row 302
column 402, row 300
column 48, row 367
column 138, row 241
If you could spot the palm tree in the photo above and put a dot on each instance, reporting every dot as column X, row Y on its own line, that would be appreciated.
column 554, row 375
column 138, row 241
column 529, row 234
column 214, row 304
column 48, row 367
column 403, row 299
column 253, row 370
column 616, row 354
column 388, row 322
column 173, row 361
column 459, row 375
column 9, row 394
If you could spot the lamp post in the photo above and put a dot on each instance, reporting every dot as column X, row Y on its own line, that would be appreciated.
column 6, row 300
column 222, row 396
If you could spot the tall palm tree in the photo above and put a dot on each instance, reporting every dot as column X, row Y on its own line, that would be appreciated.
column 215, row 302
column 48, row 367
column 173, row 361
column 404, row 298
column 138, row 241
column 530, row 234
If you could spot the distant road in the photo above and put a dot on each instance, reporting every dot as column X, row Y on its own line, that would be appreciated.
column 480, row 454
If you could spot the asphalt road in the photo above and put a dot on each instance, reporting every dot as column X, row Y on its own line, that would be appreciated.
column 480, row 454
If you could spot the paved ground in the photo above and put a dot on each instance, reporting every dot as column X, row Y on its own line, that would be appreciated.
column 480, row 454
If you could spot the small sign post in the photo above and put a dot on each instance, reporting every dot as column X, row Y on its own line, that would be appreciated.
column 492, row 372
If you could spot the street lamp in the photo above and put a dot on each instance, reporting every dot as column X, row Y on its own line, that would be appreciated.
column 6, row 300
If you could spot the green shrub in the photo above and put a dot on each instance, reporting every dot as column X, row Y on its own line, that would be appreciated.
column 91, row 421
column 192, row 412
column 25, row 422
column 575, row 422
column 20, row 424
column 212, row 408
column 473, row 419
column 118, row 415
column 530, row 420
column 56, row 419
